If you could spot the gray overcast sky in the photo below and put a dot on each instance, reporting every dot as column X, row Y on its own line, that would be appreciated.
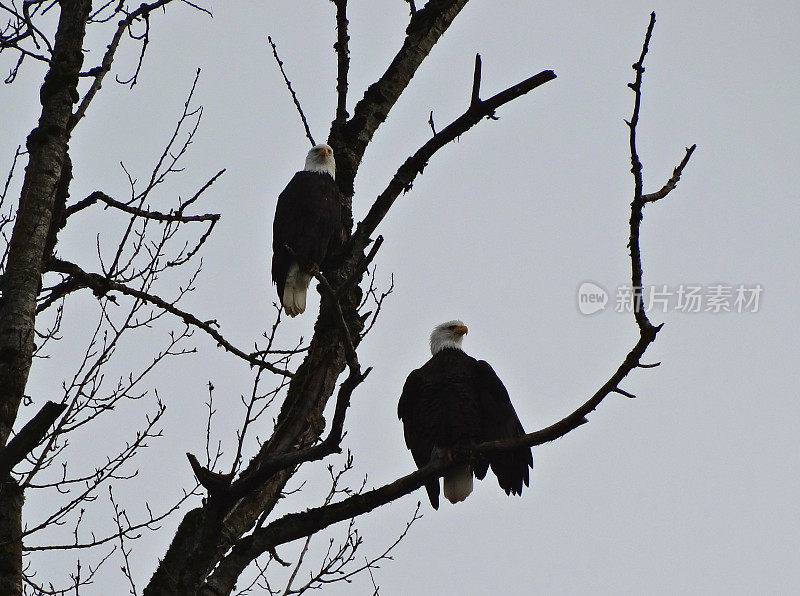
column 690, row 488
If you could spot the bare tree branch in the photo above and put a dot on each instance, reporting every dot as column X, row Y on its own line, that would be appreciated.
column 349, row 142
column 154, row 215
column 342, row 61
column 29, row 436
column 361, row 268
column 213, row 482
column 317, row 452
column 288, row 83
column 100, row 72
column 101, row 285
column 298, row 525
column 638, row 203
column 476, row 83
column 415, row 164
column 335, row 563
column 672, row 182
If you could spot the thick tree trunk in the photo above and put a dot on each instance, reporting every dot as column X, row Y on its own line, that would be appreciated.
column 11, row 499
column 45, row 180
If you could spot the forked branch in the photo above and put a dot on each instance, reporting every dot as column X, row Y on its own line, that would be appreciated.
column 414, row 165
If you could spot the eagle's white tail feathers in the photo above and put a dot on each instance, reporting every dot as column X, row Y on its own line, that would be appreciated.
column 300, row 289
column 294, row 291
column 458, row 483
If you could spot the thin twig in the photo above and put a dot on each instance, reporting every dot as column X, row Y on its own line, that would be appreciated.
column 623, row 392
column 431, row 124
column 108, row 58
column 672, row 182
column 285, row 461
column 361, row 267
column 291, row 90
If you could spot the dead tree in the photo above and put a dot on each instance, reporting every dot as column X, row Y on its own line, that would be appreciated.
column 233, row 524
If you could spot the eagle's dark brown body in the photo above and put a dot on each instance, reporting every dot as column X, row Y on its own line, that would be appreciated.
column 454, row 399
column 308, row 219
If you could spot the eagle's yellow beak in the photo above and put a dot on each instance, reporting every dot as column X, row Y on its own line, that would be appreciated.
column 461, row 330
column 325, row 151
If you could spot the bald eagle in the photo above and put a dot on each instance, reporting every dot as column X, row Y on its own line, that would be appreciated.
column 456, row 400
column 308, row 219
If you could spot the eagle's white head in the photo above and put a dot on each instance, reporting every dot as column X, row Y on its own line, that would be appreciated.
column 320, row 159
column 448, row 335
